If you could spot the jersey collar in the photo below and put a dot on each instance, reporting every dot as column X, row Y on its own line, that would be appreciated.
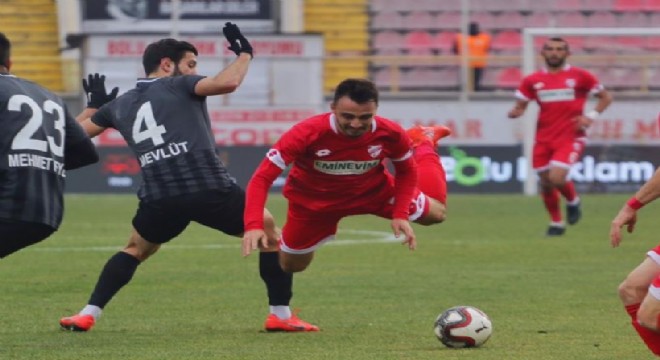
column 565, row 68
column 333, row 123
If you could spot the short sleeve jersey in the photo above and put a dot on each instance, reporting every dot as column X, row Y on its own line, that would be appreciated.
column 561, row 97
column 331, row 171
column 36, row 129
column 167, row 127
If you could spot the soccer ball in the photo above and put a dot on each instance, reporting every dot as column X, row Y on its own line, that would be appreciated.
column 463, row 327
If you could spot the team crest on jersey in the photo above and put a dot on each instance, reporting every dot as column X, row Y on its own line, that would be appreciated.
column 323, row 152
column 375, row 150
column 539, row 86
column 570, row 83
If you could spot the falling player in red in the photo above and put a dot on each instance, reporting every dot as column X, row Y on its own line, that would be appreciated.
column 640, row 291
column 561, row 91
column 338, row 170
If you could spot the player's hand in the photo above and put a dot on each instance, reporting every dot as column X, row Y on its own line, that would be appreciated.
column 582, row 122
column 516, row 112
column 403, row 226
column 237, row 42
column 252, row 239
column 626, row 216
column 94, row 87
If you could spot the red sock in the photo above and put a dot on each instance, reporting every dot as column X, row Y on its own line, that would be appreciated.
column 568, row 191
column 551, row 201
column 650, row 337
column 431, row 178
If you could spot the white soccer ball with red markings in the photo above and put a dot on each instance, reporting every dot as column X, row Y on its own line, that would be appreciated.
column 463, row 327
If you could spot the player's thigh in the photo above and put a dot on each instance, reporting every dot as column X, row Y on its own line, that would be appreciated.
column 649, row 311
column 18, row 235
column 221, row 210
column 636, row 285
column 160, row 221
column 304, row 230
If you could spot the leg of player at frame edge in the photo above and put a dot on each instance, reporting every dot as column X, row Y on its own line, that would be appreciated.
column 640, row 295
column 431, row 181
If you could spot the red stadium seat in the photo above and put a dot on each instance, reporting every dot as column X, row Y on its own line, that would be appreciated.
column 602, row 19
column 388, row 40
column 510, row 20
column 419, row 42
column 573, row 19
column 597, row 5
column 384, row 21
column 629, row 5
column 419, row 20
column 652, row 5
column 507, row 41
column 509, row 78
column 539, row 19
column 633, row 19
column 444, row 42
column 448, row 20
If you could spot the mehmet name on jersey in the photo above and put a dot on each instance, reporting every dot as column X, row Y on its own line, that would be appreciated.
column 37, row 161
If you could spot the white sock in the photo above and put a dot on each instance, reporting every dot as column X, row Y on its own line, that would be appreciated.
column 281, row 311
column 575, row 201
column 93, row 310
column 558, row 224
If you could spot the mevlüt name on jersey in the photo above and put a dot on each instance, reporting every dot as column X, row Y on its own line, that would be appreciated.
column 165, row 152
column 37, row 161
column 345, row 167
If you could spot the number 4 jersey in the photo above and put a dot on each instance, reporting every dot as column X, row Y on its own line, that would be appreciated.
column 38, row 142
column 167, row 126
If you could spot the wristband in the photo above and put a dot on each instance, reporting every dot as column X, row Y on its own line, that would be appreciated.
column 634, row 203
column 592, row 114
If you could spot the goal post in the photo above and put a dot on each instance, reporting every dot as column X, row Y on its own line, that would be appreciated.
column 528, row 66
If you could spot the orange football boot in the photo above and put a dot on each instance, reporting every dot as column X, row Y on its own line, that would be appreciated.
column 77, row 322
column 418, row 134
column 294, row 323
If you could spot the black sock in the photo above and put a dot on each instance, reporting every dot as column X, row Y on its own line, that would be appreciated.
column 117, row 272
column 278, row 283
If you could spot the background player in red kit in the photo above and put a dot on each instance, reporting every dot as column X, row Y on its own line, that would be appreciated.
column 561, row 91
column 640, row 291
column 337, row 170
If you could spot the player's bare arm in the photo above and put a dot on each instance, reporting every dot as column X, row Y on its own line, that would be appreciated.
column 604, row 100
column 400, row 226
column 628, row 214
column 518, row 109
column 231, row 77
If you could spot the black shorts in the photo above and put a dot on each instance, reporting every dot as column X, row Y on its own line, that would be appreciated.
column 162, row 220
column 18, row 234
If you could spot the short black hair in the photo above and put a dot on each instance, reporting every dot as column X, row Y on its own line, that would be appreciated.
column 359, row 90
column 5, row 50
column 558, row 39
column 165, row 48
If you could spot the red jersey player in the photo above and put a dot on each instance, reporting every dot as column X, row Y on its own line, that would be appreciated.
column 640, row 291
column 561, row 91
column 337, row 170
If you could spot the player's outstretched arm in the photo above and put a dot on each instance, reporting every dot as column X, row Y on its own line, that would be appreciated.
column 628, row 213
column 231, row 77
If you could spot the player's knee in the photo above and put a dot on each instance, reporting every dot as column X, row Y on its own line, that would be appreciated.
column 630, row 294
column 293, row 267
column 557, row 180
column 648, row 319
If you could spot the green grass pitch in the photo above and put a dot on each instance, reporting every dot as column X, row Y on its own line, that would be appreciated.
column 549, row 298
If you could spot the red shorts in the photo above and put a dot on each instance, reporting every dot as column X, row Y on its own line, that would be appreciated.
column 561, row 154
column 305, row 230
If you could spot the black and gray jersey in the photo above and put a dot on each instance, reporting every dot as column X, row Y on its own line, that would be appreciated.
column 167, row 127
column 37, row 132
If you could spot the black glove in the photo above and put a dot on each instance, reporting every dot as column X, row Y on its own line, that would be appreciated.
column 237, row 42
column 94, row 88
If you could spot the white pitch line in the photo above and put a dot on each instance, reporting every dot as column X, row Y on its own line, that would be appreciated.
column 382, row 237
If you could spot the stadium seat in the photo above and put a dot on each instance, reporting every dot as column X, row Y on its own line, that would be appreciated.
column 509, row 78
column 419, row 42
column 380, row 5
column 507, row 41
column 602, row 19
column 387, row 40
column 542, row 6
column 572, row 19
column 654, row 19
column 419, row 20
column 510, row 20
column 568, row 5
column 597, row 5
column 485, row 20
column 652, row 5
column 633, row 19
column 539, row 19
column 653, row 43
column 385, row 21
column 448, row 20
column 443, row 42
column 629, row 44
column 629, row 5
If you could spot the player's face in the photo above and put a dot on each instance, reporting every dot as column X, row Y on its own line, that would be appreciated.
column 353, row 119
column 186, row 66
column 555, row 54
